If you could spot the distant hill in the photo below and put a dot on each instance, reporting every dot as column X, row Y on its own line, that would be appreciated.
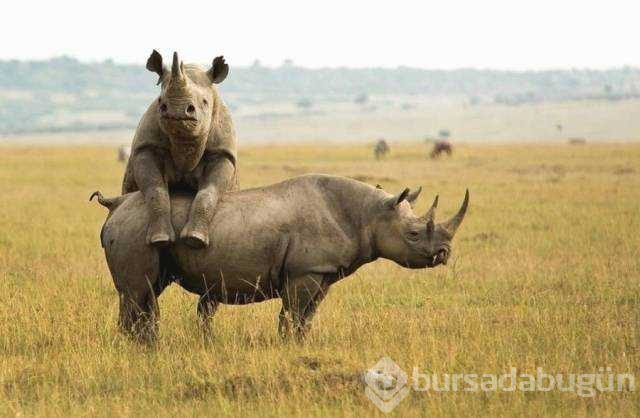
column 63, row 94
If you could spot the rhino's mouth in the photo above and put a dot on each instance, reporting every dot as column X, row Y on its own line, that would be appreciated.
column 438, row 258
column 179, row 118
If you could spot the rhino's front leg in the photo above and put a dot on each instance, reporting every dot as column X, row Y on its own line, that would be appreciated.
column 300, row 299
column 148, row 174
column 217, row 177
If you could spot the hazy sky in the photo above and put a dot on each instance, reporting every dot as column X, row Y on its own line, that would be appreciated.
column 515, row 34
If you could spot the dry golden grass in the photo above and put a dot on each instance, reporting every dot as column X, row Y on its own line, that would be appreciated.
column 545, row 273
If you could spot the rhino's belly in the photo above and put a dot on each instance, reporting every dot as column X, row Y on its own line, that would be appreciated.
column 223, row 279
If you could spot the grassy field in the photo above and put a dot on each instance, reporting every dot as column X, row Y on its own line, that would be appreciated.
column 545, row 273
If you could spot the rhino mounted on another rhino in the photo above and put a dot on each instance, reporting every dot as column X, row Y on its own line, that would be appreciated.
column 185, row 140
column 290, row 240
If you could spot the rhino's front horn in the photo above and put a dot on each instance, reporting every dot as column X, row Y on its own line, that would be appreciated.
column 452, row 224
column 176, row 68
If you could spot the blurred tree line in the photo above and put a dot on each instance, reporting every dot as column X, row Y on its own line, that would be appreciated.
column 45, row 95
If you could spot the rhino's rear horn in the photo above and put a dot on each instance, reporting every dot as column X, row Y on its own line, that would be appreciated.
column 430, row 217
column 431, row 213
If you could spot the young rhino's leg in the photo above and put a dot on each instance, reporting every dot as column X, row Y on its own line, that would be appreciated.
column 300, row 299
column 148, row 174
column 217, row 177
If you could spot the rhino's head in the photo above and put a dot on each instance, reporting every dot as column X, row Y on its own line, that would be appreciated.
column 415, row 241
column 187, row 104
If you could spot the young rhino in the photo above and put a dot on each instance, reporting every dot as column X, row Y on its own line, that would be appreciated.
column 290, row 240
column 185, row 140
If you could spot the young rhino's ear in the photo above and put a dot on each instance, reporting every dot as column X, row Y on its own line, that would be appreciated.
column 393, row 201
column 154, row 64
column 218, row 71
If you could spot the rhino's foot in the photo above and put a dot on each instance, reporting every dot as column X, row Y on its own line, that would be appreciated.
column 194, row 238
column 160, row 233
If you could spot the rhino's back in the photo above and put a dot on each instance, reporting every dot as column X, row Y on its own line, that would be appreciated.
column 305, row 214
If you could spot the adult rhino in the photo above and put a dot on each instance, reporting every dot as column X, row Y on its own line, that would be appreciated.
column 290, row 240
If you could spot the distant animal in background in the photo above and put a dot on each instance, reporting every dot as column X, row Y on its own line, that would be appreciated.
column 441, row 147
column 124, row 152
column 381, row 149
column 577, row 141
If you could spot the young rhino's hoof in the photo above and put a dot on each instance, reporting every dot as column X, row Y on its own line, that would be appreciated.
column 195, row 239
column 159, row 240
column 160, row 236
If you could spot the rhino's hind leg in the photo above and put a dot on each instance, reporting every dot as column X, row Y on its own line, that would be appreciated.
column 300, row 299
column 139, row 316
column 206, row 309
column 136, row 272
column 139, row 310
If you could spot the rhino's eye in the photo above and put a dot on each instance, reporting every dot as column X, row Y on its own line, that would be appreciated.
column 414, row 234
column 206, row 103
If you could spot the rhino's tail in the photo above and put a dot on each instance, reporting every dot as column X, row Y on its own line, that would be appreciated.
column 108, row 202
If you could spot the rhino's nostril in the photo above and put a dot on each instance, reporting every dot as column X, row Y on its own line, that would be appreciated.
column 190, row 109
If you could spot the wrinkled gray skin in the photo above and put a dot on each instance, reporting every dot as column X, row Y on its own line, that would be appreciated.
column 290, row 240
column 185, row 140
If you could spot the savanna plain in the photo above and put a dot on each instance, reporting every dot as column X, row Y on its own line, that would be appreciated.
column 545, row 272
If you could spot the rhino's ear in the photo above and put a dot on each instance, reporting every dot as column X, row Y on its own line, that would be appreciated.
column 218, row 71
column 412, row 196
column 393, row 201
column 154, row 64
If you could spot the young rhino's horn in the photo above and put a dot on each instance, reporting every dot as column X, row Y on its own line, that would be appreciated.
column 176, row 68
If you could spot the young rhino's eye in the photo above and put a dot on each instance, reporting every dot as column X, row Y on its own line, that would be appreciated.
column 205, row 102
